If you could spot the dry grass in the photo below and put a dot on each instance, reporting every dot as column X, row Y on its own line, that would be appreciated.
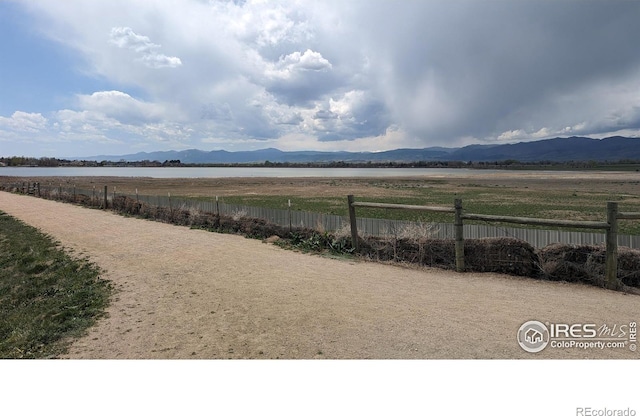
column 238, row 214
column 414, row 231
column 623, row 183
column 344, row 231
column 193, row 214
column 418, row 231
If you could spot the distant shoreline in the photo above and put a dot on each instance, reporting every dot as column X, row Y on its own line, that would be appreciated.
column 626, row 166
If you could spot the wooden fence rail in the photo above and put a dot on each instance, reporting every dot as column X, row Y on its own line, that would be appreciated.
column 610, row 226
column 629, row 215
column 596, row 225
column 399, row 206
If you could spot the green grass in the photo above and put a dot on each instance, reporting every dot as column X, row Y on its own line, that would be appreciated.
column 46, row 297
column 477, row 199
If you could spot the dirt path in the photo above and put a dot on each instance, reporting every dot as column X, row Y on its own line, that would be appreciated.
column 194, row 294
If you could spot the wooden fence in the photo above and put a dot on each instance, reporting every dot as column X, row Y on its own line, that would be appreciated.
column 537, row 237
column 100, row 197
column 610, row 226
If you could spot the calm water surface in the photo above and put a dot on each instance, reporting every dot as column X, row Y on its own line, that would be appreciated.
column 261, row 172
column 239, row 172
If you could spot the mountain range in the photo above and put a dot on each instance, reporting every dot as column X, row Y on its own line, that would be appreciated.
column 556, row 150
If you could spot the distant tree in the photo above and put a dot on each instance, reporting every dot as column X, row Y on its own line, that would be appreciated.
column 48, row 162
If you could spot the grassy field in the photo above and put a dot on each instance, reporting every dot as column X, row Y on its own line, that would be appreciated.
column 46, row 297
column 554, row 195
column 521, row 200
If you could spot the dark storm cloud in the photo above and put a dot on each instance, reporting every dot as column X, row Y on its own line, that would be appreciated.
column 464, row 68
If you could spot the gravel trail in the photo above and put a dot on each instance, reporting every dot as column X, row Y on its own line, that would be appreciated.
column 185, row 293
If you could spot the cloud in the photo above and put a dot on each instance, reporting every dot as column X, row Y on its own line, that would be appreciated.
column 122, row 106
column 93, row 126
column 124, row 37
column 24, row 122
column 307, row 61
column 351, row 115
column 265, row 25
column 392, row 138
column 598, row 109
column 297, row 78
column 337, row 74
column 460, row 68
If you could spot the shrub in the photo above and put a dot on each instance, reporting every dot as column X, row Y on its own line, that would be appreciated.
column 501, row 255
column 587, row 264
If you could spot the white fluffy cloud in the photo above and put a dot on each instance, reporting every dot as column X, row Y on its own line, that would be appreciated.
column 123, row 107
column 307, row 61
column 24, row 122
column 124, row 37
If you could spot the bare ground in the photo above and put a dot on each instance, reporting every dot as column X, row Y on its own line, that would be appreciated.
column 194, row 294
column 606, row 182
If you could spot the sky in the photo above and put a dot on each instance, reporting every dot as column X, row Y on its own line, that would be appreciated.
column 86, row 78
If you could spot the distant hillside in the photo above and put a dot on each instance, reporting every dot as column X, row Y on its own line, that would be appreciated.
column 556, row 150
column 275, row 155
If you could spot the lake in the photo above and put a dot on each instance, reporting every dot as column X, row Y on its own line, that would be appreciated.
column 237, row 172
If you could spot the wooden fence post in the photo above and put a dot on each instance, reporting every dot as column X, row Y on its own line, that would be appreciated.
column 611, row 266
column 459, row 235
column 354, row 225
column 289, row 212
column 105, row 197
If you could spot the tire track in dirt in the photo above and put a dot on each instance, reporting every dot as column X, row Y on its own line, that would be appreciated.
column 194, row 294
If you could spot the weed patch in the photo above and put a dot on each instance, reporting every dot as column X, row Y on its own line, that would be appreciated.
column 46, row 297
